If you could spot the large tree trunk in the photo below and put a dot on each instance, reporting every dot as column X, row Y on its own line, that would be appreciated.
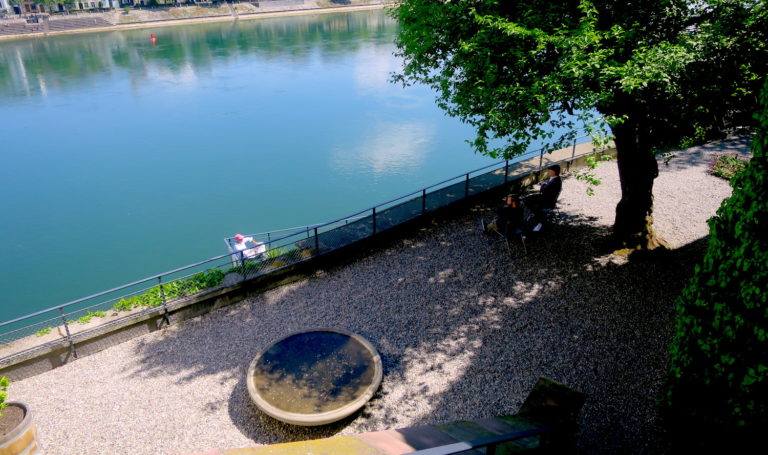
column 638, row 169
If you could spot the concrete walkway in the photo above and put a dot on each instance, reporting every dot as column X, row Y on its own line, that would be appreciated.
column 17, row 27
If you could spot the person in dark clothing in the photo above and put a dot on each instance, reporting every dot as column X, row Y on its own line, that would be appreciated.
column 546, row 197
column 509, row 216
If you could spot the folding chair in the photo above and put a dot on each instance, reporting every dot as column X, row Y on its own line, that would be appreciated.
column 548, row 212
column 552, row 210
column 505, row 235
column 552, row 215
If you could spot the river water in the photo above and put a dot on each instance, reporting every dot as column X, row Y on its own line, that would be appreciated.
column 122, row 158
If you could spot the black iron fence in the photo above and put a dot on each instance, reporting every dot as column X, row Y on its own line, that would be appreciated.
column 163, row 292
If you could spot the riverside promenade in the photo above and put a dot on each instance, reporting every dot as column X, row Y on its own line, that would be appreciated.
column 463, row 328
column 15, row 26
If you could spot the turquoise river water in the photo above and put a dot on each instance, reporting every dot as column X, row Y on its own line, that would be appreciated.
column 121, row 159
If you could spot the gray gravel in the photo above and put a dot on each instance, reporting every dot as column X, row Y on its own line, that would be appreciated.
column 464, row 331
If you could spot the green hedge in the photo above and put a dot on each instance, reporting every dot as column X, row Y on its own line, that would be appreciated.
column 717, row 393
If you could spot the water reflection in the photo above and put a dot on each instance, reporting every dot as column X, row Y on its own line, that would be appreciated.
column 181, row 78
column 30, row 67
column 314, row 372
column 389, row 148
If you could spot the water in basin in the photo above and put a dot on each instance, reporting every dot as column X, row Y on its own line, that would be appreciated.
column 314, row 372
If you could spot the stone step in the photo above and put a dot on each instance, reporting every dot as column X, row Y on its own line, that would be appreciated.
column 18, row 28
column 73, row 24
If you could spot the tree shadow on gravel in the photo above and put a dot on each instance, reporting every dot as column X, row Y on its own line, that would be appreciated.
column 266, row 430
column 702, row 155
column 464, row 330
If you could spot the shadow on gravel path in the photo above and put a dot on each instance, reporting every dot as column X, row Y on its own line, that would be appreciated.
column 700, row 156
column 464, row 330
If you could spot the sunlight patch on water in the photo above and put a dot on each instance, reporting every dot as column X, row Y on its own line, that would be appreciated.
column 391, row 149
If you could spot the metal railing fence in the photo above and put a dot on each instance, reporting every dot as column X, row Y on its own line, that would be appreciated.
column 75, row 319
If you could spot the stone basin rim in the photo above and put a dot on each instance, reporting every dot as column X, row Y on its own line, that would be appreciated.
column 321, row 418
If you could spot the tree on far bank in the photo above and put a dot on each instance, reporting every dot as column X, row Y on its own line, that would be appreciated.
column 660, row 73
column 50, row 5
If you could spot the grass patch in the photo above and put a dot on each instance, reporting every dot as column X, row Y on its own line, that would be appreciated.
column 277, row 252
column 727, row 166
column 90, row 315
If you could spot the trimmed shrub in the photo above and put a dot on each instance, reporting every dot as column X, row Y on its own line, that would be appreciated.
column 717, row 389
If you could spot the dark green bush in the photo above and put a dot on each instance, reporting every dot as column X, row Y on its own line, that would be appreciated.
column 717, row 394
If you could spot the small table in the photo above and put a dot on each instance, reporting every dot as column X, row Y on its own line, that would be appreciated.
column 314, row 377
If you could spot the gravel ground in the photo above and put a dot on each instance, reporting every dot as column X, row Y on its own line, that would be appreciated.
column 463, row 328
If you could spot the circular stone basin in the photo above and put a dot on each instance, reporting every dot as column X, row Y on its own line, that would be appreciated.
column 314, row 377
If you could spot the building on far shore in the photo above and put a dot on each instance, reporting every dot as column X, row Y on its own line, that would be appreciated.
column 30, row 7
column 15, row 7
column 33, row 7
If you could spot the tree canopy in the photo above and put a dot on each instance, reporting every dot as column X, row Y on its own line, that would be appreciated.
column 658, row 73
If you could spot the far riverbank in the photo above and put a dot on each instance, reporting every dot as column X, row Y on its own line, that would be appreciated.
column 166, row 17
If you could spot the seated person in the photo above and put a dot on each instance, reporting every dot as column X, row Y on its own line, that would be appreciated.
column 249, row 253
column 546, row 198
column 509, row 216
